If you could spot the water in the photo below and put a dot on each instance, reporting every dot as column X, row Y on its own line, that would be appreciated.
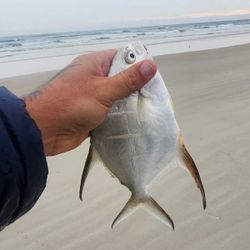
column 47, row 45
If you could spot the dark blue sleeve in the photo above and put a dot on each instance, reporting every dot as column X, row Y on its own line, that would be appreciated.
column 23, row 166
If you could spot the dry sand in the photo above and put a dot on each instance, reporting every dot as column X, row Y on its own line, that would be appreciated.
column 211, row 92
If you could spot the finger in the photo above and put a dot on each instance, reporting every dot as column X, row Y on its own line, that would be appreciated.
column 105, row 59
column 127, row 81
column 97, row 63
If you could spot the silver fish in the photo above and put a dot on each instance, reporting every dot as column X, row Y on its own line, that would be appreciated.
column 139, row 138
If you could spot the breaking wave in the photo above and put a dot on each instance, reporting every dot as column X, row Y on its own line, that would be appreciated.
column 23, row 45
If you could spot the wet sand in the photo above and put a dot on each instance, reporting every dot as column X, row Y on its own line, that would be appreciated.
column 211, row 93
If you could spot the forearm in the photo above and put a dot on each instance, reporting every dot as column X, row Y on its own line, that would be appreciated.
column 23, row 167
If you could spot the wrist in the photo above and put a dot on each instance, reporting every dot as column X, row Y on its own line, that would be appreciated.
column 41, row 114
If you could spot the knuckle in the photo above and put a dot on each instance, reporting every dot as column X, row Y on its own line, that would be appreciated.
column 78, row 59
column 130, row 80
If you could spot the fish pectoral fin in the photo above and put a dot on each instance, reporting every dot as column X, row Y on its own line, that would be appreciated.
column 91, row 158
column 141, row 103
column 149, row 204
column 191, row 168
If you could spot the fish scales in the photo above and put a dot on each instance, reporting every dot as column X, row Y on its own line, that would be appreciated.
column 139, row 138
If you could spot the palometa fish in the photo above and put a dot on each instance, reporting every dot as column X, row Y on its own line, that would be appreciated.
column 139, row 138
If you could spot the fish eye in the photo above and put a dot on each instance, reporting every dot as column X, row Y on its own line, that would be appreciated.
column 130, row 56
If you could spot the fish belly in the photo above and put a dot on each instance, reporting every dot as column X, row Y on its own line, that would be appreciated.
column 136, row 151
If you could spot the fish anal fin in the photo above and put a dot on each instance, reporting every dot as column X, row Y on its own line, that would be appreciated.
column 109, row 171
column 150, row 205
column 191, row 167
column 91, row 158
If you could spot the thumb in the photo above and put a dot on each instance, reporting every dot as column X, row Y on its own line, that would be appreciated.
column 128, row 81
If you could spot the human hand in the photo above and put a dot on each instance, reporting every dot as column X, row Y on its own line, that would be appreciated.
column 78, row 98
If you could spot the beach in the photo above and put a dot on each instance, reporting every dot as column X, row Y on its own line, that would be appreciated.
column 211, row 94
column 28, row 54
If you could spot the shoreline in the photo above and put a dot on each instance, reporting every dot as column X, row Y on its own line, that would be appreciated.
column 211, row 93
column 24, row 83
column 38, row 64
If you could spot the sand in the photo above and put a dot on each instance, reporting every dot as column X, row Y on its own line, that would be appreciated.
column 211, row 92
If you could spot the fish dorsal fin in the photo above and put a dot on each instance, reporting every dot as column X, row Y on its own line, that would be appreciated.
column 191, row 168
column 90, row 160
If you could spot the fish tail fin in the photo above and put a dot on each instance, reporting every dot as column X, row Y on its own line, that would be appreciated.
column 127, row 210
column 153, row 208
column 150, row 205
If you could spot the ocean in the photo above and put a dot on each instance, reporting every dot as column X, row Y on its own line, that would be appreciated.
column 26, row 47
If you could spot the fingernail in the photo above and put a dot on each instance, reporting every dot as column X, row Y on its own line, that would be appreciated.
column 147, row 69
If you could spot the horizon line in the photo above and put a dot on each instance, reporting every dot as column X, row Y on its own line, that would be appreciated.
column 158, row 21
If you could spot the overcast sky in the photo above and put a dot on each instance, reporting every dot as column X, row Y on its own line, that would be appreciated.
column 39, row 16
